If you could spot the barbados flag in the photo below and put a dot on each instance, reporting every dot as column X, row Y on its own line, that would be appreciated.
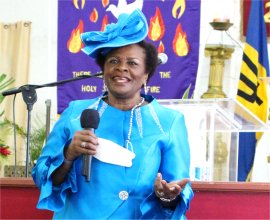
column 252, row 93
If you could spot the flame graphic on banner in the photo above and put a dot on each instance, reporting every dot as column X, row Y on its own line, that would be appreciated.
column 157, row 28
column 180, row 43
column 178, row 5
column 94, row 15
column 161, row 47
column 74, row 43
column 105, row 21
column 105, row 3
column 75, row 3
column 267, row 14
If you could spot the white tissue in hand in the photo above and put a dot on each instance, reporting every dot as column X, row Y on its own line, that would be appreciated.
column 110, row 152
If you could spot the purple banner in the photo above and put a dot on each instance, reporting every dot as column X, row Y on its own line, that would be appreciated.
column 174, row 28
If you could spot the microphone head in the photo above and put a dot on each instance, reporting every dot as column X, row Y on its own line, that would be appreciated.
column 162, row 58
column 89, row 118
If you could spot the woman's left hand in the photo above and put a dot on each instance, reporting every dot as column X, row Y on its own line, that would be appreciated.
column 169, row 190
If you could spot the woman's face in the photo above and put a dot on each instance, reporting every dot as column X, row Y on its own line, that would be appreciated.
column 124, row 71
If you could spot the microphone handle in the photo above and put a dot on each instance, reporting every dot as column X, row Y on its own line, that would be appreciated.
column 86, row 166
column 11, row 91
column 86, row 163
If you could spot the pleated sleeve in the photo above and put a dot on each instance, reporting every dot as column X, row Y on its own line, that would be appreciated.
column 52, row 156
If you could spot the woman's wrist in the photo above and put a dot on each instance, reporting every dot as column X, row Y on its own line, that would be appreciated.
column 67, row 161
column 67, row 155
column 162, row 197
column 169, row 203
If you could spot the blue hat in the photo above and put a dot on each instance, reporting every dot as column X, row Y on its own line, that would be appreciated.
column 129, row 29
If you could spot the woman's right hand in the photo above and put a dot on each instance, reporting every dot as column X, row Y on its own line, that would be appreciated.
column 83, row 142
column 169, row 190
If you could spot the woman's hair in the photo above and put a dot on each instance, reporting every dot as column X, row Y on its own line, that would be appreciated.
column 151, row 58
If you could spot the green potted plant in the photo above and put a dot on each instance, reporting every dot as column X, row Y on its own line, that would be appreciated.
column 186, row 93
column 37, row 141
column 4, row 148
column 4, row 83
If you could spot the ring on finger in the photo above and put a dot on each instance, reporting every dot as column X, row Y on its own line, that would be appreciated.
column 83, row 144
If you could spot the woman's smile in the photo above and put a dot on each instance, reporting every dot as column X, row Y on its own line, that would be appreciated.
column 120, row 79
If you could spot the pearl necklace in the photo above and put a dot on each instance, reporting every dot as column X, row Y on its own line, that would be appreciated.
column 128, row 142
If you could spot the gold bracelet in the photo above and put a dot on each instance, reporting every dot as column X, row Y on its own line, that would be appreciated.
column 167, row 200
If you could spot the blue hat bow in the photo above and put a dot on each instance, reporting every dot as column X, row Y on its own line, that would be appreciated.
column 129, row 29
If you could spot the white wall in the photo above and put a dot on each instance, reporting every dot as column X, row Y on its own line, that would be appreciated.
column 43, row 14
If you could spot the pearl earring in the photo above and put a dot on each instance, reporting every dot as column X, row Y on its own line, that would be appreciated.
column 105, row 88
column 145, row 88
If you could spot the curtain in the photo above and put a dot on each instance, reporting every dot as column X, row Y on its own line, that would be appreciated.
column 14, row 62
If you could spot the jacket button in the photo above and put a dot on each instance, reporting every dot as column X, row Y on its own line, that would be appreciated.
column 123, row 195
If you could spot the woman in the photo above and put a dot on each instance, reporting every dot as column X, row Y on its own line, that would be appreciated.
column 156, row 184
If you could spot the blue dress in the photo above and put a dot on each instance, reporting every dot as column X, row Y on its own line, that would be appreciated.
column 160, row 143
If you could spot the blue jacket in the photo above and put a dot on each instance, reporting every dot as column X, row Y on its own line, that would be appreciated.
column 160, row 143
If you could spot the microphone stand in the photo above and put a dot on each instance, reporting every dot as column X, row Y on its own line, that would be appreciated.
column 30, row 97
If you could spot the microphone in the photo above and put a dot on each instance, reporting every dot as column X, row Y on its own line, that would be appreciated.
column 11, row 91
column 89, row 121
column 162, row 58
